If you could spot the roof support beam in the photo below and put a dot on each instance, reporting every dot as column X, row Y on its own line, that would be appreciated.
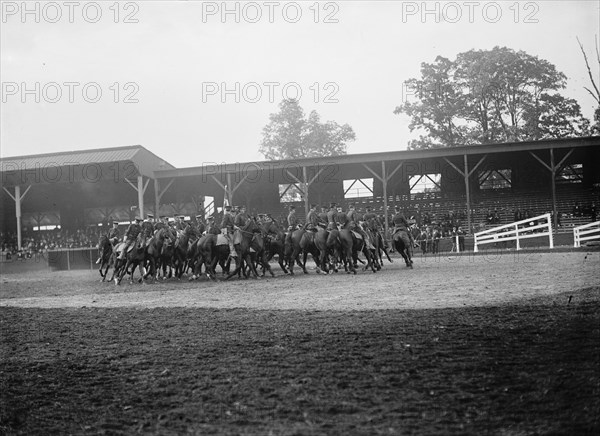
column 18, row 198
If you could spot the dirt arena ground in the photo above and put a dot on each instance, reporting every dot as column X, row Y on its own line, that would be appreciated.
column 503, row 343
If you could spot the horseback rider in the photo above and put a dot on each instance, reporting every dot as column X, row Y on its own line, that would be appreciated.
column 312, row 220
column 113, row 236
column 227, row 226
column 401, row 224
column 200, row 226
column 181, row 225
column 371, row 220
column 131, row 235
column 211, row 227
column 332, row 217
column 322, row 217
column 147, row 229
column 292, row 221
column 353, row 217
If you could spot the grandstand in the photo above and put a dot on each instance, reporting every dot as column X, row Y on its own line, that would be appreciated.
column 88, row 187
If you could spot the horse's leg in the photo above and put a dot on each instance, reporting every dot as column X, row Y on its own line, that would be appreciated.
column 304, row 257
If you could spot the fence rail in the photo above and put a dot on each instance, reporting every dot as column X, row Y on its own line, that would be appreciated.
column 516, row 231
column 586, row 232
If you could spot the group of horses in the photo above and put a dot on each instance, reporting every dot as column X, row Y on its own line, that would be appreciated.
column 256, row 244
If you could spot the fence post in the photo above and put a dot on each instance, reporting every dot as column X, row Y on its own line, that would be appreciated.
column 475, row 249
column 457, row 244
column 517, row 236
column 550, row 231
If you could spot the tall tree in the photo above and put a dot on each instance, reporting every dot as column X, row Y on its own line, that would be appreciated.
column 595, row 93
column 291, row 135
column 487, row 96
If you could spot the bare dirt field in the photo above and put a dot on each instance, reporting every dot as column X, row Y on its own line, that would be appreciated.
column 502, row 343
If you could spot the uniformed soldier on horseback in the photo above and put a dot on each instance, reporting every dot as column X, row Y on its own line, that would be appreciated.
column 292, row 221
column 147, row 230
column 200, row 226
column 113, row 236
column 401, row 224
column 131, row 235
column 227, row 225
column 353, row 218
column 322, row 217
column 211, row 227
column 312, row 219
column 332, row 217
column 181, row 225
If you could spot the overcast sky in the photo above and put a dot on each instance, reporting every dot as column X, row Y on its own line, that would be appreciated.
column 164, row 69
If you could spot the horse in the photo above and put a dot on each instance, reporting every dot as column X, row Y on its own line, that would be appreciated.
column 351, row 245
column 380, row 247
column 105, row 249
column 403, row 246
column 274, row 242
column 135, row 256
column 246, row 237
column 180, row 256
column 155, row 250
column 301, row 242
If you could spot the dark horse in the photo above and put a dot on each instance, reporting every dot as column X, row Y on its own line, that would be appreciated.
column 105, row 250
column 351, row 245
column 250, row 237
column 403, row 246
column 274, row 242
column 136, row 256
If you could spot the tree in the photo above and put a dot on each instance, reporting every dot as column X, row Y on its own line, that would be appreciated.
column 289, row 135
column 596, row 92
column 488, row 96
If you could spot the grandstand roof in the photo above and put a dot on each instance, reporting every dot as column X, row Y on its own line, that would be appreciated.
column 403, row 155
column 145, row 161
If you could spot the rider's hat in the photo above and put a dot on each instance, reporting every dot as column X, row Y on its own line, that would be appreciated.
column 313, row 206
column 150, row 215
column 198, row 217
column 292, row 206
column 228, row 207
column 350, row 205
column 181, row 217
column 332, row 204
column 115, row 222
column 243, row 206
column 368, row 208
column 137, row 218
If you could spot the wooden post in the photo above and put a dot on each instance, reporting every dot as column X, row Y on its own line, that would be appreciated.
column 305, row 180
column 553, row 175
column 140, row 191
column 468, row 194
column 156, row 199
column 384, row 181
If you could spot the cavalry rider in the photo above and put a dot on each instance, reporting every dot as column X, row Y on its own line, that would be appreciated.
column 113, row 236
column 200, row 226
column 241, row 219
column 227, row 225
column 147, row 229
column 181, row 225
column 401, row 225
column 211, row 227
column 160, row 224
column 131, row 235
column 312, row 220
column 332, row 217
column 353, row 217
column 322, row 217
column 292, row 221
column 371, row 220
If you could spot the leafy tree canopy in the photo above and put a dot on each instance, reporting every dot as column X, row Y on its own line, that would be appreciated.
column 290, row 134
column 490, row 96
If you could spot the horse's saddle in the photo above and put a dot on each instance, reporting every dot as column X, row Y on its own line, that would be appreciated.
column 222, row 240
column 356, row 234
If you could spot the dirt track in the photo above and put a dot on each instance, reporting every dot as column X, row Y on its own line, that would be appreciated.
column 498, row 346
column 495, row 278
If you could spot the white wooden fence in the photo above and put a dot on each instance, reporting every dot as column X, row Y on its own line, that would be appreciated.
column 586, row 232
column 517, row 231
